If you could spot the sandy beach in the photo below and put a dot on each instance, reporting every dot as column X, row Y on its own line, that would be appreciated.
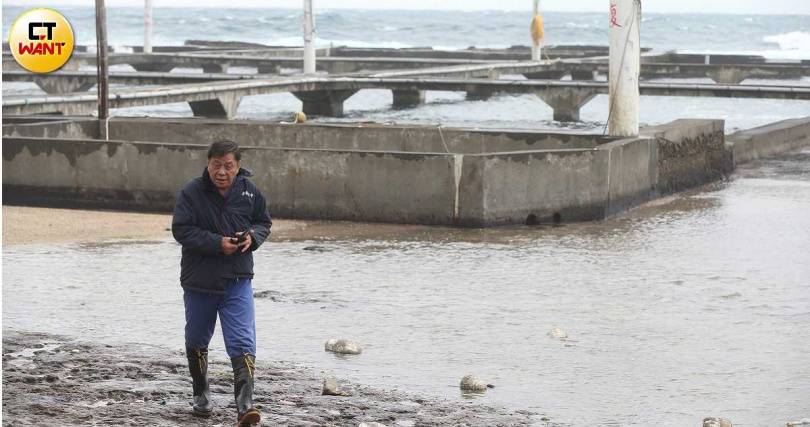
column 29, row 225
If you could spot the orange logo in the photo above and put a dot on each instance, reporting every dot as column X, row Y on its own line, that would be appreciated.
column 41, row 40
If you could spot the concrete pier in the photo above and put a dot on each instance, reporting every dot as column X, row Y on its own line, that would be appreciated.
column 325, row 95
column 408, row 98
column 324, row 102
column 79, row 81
column 223, row 106
column 566, row 103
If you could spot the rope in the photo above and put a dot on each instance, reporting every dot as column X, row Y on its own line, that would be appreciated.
column 441, row 135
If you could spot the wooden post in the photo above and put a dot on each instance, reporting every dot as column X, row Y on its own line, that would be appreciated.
column 101, row 65
column 147, row 26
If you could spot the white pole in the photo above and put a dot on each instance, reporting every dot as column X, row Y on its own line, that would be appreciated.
column 147, row 26
column 309, row 38
column 625, row 59
column 536, row 49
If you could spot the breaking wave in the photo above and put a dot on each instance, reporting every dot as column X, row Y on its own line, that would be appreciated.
column 795, row 40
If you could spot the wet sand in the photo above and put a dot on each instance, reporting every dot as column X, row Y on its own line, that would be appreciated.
column 27, row 225
column 52, row 380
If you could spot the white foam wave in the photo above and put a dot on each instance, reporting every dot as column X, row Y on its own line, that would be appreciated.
column 794, row 40
column 772, row 55
column 319, row 42
column 576, row 25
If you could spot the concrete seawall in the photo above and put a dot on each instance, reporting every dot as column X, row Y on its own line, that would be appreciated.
column 415, row 174
column 769, row 140
column 690, row 153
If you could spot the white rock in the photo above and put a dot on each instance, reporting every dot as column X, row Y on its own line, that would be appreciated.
column 472, row 383
column 716, row 422
column 332, row 388
column 371, row 424
column 558, row 334
column 342, row 346
column 801, row 423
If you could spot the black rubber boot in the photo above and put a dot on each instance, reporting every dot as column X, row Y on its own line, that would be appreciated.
column 198, row 367
column 243, row 390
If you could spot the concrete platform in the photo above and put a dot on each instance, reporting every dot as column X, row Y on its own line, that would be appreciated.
column 370, row 172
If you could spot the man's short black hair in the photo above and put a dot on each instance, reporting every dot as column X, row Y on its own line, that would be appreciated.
column 223, row 147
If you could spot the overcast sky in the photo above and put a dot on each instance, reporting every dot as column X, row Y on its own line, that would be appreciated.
column 686, row 6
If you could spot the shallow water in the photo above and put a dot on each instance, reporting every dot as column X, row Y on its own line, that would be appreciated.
column 691, row 306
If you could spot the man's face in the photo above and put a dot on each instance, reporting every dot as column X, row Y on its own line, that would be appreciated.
column 223, row 170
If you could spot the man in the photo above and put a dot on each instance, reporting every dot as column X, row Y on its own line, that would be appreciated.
column 220, row 219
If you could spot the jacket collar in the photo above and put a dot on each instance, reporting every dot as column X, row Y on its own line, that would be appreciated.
column 209, row 185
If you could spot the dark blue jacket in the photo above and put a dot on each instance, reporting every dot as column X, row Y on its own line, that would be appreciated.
column 202, row 217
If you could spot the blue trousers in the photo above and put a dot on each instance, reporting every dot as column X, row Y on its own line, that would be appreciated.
column 236, row 316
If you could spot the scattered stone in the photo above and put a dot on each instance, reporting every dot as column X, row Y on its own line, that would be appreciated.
column 716, row 422
column 151, row 387
column 474, row 384
column 801, row 423
column 332, row 388
column 342, row 346
column 558, row 334
column 272, row 295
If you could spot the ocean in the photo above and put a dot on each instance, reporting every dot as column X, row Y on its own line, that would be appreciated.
column 784, row 38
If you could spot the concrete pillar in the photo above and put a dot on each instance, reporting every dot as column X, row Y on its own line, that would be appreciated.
column 324, row 102
column 408, row 98
column 216, row 68
column 309, row 38
column 480, row 94
column 147, row 26
column 582, row 75
column 537, row 49
column 268, row 68
column 625, row 60
column 728, row 75
column 163, row 67
column 545, row 75
column 566, row 102
column 64, row 85
column 222, row 107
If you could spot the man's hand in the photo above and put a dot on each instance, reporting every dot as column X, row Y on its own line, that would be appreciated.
column 228, row 247
column 245, row 245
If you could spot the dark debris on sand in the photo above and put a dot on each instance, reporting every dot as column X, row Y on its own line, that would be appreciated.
column 50, row 380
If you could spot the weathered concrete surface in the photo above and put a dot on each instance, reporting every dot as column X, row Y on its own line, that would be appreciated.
column 533, row 187
column 416, row 174
column 365, row 136
column 768, row 140
column 64, row 128
column 301, row 183
column 690, row 153
column 557, row 186
column 51, row 380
